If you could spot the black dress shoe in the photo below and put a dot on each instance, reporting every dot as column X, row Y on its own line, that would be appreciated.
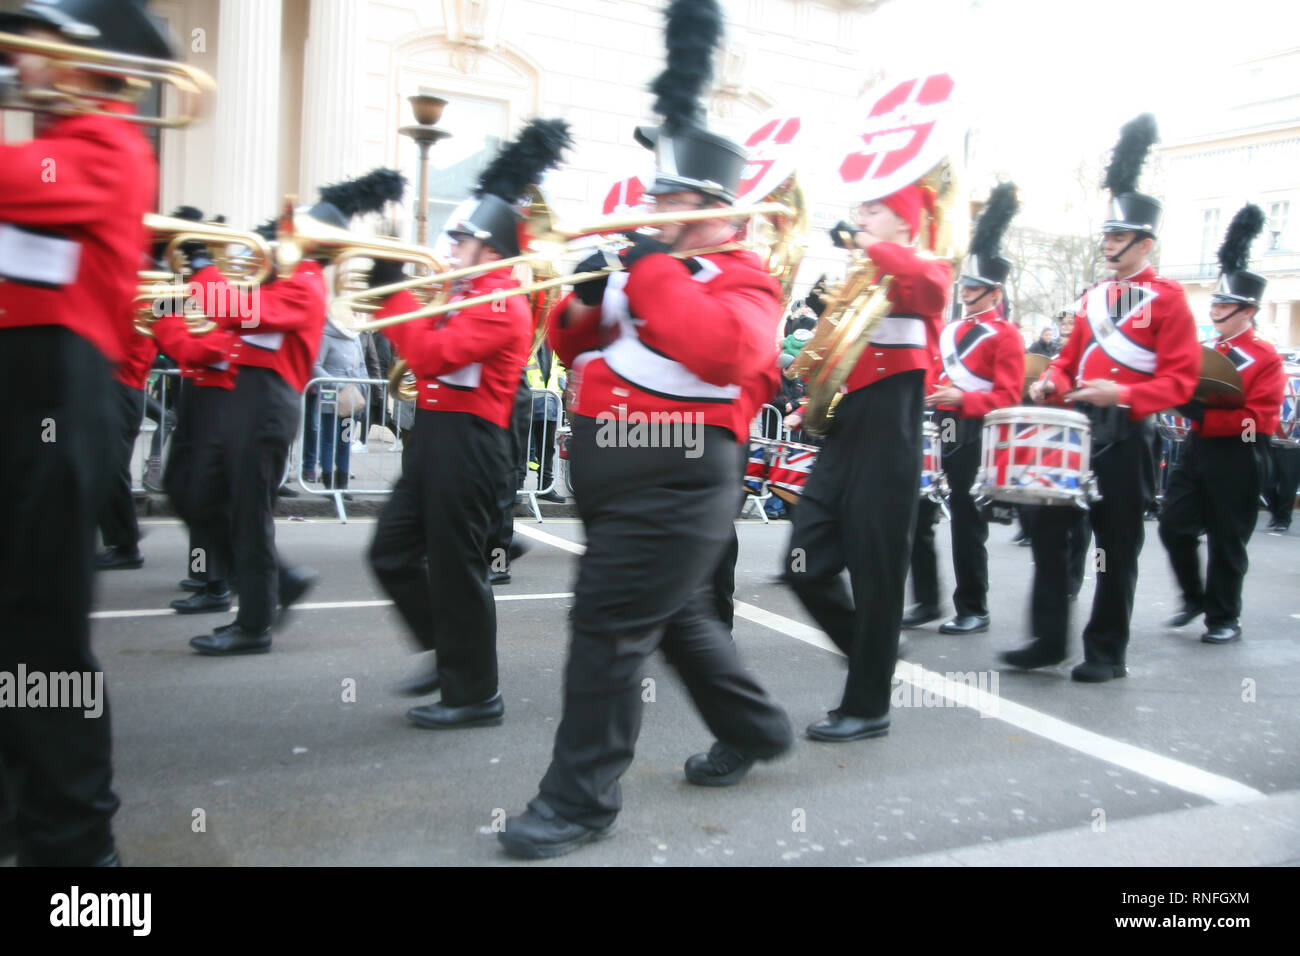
column 553, row 496
column 839, row 728
column 440, row 716
column 539, row 833
column 118, row 559
column 424, row 682
column 287, row 491
column 294, row 585
column 1095, row 672
column 921, row 614
column 498, row 577
column 232, row 640
column 1185, row 616
column 1035, row 654
column 202, row 603
column 193, row 584
column 966, row 624
column 1026, row 542
column 1222, row 634
column 720, row 767
column 518, row 547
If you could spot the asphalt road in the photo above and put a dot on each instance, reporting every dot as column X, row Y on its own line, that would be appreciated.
column 270, row 760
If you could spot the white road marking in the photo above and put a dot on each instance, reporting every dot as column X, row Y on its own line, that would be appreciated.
column 324, row 605
column 1156, row 766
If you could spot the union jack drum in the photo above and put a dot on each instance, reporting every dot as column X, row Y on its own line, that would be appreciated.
column 1036, row 456
column 791, row 465
column 562, row 436
column 1288, row 426
column 934, row 483
column 1173, row 427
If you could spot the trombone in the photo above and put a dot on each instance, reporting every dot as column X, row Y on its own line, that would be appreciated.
column 194, row 89
column 785, row 219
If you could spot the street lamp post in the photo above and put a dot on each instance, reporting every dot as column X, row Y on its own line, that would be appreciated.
column 425, row 132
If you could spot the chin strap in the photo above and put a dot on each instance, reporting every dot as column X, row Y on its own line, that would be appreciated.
column 1137, row 237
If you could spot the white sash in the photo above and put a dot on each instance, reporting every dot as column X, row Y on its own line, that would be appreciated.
column 898, row 330
column 1107, row 335
column 40, row 260
column 953, row 367
column 271, row 341
column 630, row 359
column 467, row 376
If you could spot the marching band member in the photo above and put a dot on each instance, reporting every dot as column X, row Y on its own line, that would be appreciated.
column 70, row 249
column 194, row 459
column 983, row 369
column 1214, row 488
column 859, row 508
column 1133, row 352
column 468, row 365
column 117, row 521
column 676, row 339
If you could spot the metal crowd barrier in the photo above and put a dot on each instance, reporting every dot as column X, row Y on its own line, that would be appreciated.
column 325, row 436
column 769, row 423
column 551, row 433
column 151, row 442
column 321, row 436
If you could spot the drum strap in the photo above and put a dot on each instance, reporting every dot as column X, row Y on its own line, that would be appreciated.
column 1106, row 323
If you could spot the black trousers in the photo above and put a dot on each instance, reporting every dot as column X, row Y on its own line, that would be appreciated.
column 657, row 524
column 56, row 434
column 512, row 478
column 117, row 522
column 859, row 511
column 970, row 529
column 259, row 426
column 195, row 481
column 445, row 510
column 1283, row 483
column 1126, row 480
column 1078, row 552
column 1213, row 490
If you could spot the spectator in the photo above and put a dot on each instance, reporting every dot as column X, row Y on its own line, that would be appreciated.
column 340, row 356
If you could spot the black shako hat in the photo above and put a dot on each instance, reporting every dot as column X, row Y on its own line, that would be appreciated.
column 1236, row 284
column 1130, row 210
column 123, row 26
column 985, row 266
column 688, row 156
column 492, row 216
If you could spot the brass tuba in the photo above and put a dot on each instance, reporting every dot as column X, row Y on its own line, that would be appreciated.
column 855, row 306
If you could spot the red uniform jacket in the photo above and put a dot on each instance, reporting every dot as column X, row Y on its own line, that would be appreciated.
column 72, row 205
column 201, row 357
column 908, row 339
column 469, row 360
column 276, row 326
column 988, row 358
column 1262, row 380
column 1153, row 353
column 133, row 370
column 668, row 341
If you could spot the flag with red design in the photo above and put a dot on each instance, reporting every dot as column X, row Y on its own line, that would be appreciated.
column 1042, row 456
column 791, row 469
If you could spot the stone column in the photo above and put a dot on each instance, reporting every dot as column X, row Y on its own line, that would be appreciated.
column 331, row 115
column 247, row 121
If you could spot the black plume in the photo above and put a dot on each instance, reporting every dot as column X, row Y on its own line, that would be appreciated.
column 816, row 297
column 692, row 33
column 1135, row 139
column 368, row 193
column 994, row 219
column 268, row 230
column 1234, row 254
column 191, row 213
column 522, row 162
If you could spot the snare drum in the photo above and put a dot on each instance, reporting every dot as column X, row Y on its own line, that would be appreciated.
column 1288, row 425
column 1036, row 456
column 1173, row 427
column 791, row 465
column 934, row 483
